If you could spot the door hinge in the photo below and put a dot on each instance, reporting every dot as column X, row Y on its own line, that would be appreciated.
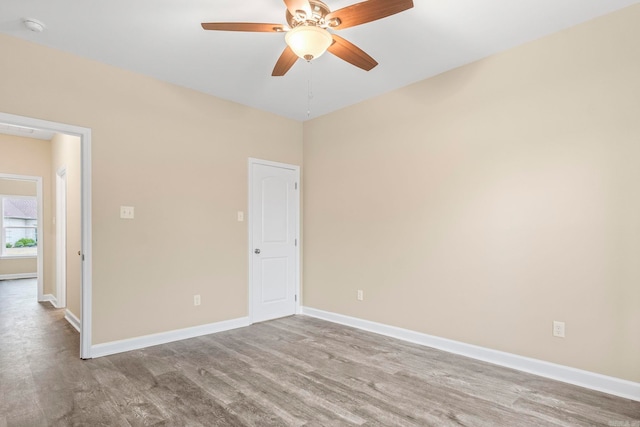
column 296, row 185
column 296, row 298
column 83, row 257
column 296, row 242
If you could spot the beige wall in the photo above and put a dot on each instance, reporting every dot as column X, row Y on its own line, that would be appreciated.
column 31, row 157
column 65, row 153
column 10, row 266
column 484, row 203
column 17, row 187
column 169, row 152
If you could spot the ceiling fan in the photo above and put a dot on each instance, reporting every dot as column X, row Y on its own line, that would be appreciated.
column 307, row 34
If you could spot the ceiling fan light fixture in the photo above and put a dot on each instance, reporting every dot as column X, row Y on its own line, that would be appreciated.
column 308, row 41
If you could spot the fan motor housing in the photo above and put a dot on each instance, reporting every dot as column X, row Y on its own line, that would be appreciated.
column 319, row 11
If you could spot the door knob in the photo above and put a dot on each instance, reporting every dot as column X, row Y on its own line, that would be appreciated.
column 257, row 251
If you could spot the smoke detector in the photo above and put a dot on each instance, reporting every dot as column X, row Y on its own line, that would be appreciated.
column 34, row 25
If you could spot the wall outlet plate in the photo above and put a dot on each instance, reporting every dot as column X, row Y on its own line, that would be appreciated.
column 558, row 329
column 126, row 212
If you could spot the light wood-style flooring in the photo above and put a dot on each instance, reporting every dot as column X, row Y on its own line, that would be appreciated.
column 295, row 371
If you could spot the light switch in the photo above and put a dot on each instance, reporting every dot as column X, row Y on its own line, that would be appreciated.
column 126, row 212
column 240, row 216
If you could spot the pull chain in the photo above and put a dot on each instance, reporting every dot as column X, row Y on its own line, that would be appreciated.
column 309, row 89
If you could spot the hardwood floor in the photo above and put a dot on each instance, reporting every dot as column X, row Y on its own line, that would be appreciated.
column 295, row 371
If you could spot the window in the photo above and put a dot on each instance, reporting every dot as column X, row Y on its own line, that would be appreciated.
column 19, row 223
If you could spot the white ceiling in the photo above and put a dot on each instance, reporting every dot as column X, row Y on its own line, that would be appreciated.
column 163, row 39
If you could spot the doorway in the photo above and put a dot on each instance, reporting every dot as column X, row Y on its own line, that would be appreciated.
column 21, row 239
column 274, row 243
column 85, row 203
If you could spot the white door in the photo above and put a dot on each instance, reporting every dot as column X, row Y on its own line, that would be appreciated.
column 273, row 216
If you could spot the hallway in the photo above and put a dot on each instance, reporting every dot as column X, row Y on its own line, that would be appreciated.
column 35, row 342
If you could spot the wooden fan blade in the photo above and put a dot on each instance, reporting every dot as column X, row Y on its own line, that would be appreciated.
column 243, row 26
column 295, row 5
column 285, row 62
column 351, row 53
column 367, row 11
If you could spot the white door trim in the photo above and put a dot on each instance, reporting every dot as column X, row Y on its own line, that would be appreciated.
column 40, row 228
column 61, row 237
column 296, row 169
column 85, row 182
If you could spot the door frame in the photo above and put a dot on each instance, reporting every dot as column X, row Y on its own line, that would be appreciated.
column 85, row 202
column 61, row 237
column 253, row 161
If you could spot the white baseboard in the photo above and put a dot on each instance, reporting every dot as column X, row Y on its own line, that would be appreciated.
column 121, row 346
column 50, row 298
column 17, row 276
column 72, row 319
column 591, row 380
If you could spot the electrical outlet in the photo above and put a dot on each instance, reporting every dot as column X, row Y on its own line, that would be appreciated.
column 360, row 295
column 126, row 212
column 558, row 329
column 196, row 300
column 240, row 216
